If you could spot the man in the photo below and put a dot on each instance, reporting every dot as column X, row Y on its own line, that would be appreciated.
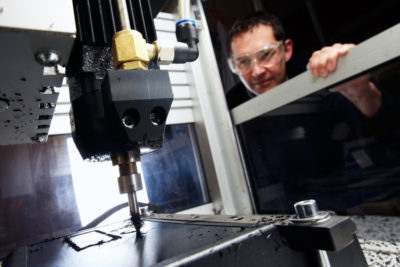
column 296, row 152
column 260, row 51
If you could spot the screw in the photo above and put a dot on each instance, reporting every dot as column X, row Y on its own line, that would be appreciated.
column 48, row 59
column 3, row 105
column 155, row 119
column 39, row 138
column 1, row 9
column 128, row 122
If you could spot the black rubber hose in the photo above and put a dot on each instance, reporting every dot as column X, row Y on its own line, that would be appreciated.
column 113, row 210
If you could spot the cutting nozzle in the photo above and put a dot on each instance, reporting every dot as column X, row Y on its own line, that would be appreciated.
column 129, row 182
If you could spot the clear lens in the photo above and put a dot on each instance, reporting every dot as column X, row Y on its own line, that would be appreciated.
column 269, row 56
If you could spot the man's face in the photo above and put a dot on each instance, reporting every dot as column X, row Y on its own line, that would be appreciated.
column 261, row 78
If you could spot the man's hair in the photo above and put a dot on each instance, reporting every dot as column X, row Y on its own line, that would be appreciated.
column 249, row 22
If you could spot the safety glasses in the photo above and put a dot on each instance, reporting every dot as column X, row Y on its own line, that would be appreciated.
column 268, row 56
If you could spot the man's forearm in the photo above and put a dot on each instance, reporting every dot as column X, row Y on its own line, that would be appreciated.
column 367, row 100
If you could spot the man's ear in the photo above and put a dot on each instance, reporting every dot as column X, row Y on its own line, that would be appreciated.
column 288, row 48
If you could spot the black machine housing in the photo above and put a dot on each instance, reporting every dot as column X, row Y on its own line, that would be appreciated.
column 114, row 111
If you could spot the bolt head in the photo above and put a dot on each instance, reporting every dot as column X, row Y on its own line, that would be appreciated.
column 3, row 105
column 48, row 58
column 128, row 122
column 306, row 208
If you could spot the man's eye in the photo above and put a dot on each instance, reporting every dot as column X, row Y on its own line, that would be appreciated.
column 242, row 61
column 265, row 55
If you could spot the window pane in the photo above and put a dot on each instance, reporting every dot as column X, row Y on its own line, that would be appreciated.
column 173, row 174
column 323, row 147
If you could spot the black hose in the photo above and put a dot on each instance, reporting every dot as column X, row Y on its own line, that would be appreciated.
column 113, row 210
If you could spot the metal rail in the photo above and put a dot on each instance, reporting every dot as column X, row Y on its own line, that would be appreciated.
column 369, row 54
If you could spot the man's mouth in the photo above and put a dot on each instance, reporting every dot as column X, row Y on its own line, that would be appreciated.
column 261, row 84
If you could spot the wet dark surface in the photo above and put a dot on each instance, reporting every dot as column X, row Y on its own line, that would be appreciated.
column 161, row 243
column 87, row 240
column 180, row 243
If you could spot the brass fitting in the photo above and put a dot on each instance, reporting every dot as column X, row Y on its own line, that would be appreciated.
column 129, row 50
column 152, row 50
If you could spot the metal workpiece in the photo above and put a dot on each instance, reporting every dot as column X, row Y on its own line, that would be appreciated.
column 227, row 220
column 213, row 241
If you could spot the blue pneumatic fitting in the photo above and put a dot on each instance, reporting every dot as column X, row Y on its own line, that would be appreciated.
column 185, row 20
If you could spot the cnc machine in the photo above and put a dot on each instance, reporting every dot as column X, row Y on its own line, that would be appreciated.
column 120, row 101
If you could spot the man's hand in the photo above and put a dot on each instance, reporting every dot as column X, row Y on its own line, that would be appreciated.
column 324, row 61
column 360, row 91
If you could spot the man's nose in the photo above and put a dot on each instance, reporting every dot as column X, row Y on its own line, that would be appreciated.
column 256, row 69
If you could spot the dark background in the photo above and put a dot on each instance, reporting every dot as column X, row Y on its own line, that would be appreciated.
column 311, row 24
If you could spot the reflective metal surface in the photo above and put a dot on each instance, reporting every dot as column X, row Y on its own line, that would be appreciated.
column 168, row 243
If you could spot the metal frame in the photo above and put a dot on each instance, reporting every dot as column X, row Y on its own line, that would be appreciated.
column 224, row 171
column 371, row 53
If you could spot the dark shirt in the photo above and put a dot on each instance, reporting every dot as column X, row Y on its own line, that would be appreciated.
column 238, row 95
